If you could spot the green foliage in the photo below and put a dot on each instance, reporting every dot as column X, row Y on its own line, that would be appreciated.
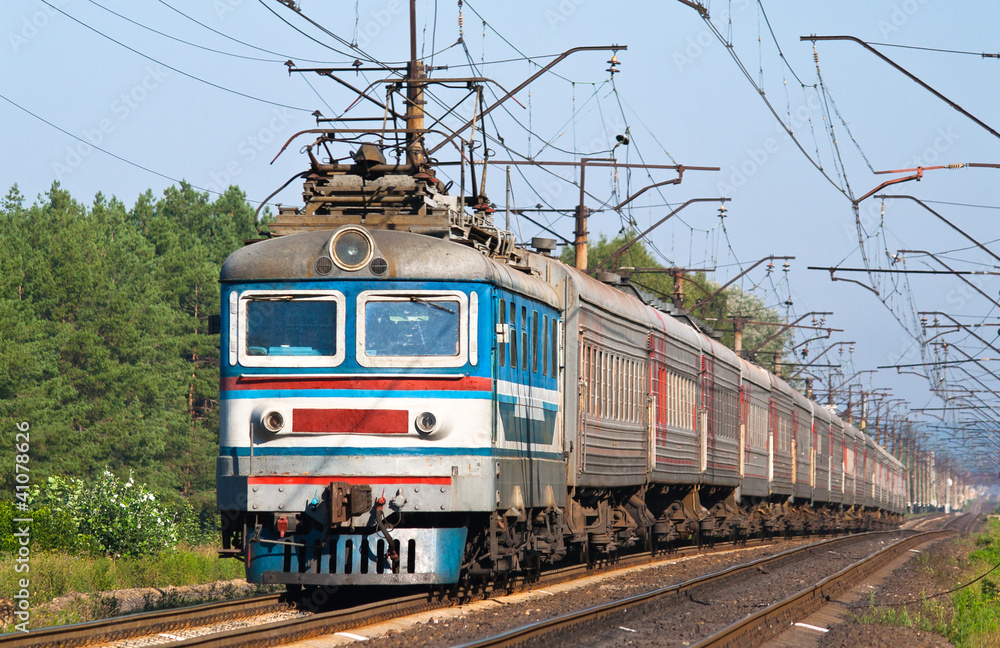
column 121, row 518
column 49, row 529
column 104, row 325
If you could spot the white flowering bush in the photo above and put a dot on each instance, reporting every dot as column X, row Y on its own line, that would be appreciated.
column 120, row 518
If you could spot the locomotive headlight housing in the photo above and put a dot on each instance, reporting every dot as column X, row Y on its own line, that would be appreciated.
column 431, row 426
column 351, row 248
column 272, row 421
column 271, row 418
column 426, row 423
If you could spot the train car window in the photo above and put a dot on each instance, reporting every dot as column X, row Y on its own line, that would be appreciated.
column 501, row 333
column 524, row 338
column 554, row 346
column 534, row 341
column 630, row 389
column 545, row 346
column 291, row 328
column 602, row 393
column 513, row 335
column 615, row 376
column 397, row 327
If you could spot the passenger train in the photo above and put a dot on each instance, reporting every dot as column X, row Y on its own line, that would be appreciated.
column 409, row 399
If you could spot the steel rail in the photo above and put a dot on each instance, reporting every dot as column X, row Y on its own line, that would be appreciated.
column 138, row 625
column 323, row 623
column 561, row 623
column 772, row 621
column 159, row 621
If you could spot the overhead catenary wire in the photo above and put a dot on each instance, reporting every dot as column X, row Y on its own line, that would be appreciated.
column 170, row 67
column 236, row 40
column 181, row 40
column 107, row 152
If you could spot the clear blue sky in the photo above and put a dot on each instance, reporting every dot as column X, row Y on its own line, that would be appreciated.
column 679, row 92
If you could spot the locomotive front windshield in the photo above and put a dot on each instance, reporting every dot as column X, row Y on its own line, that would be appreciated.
column 412, row 326
column 291, row 327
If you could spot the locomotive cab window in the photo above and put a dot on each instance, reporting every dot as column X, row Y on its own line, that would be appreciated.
column 412, row 328
column 291, row 328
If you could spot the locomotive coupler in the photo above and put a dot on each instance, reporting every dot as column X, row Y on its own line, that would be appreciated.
column 383, row 528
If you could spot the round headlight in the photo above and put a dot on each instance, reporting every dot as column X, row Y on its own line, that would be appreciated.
column 426, row 423
column 273, row 421
column 351, row 249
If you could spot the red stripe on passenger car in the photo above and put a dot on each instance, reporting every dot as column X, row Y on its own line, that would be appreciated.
column 465, row 383
column 325, row 480
column 348, row 421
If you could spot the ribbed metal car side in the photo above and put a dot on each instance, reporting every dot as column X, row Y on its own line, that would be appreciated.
column 780, row 449
column 822, row 434
column 720, row 388
column 802, row 441
column 755, row 400
column 852, row 463
column 838, row 459
column 675, row 354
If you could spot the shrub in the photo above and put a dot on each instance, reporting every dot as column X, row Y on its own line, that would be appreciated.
column 120, row 518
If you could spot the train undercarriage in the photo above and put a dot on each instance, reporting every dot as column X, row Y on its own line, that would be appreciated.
column 600, row 524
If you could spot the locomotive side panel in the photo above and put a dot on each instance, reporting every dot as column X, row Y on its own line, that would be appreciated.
column 527, row 432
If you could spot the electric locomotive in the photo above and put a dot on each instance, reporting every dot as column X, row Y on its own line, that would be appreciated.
column 368, row 431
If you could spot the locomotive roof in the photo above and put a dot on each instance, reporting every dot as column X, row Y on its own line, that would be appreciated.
column 409, row 256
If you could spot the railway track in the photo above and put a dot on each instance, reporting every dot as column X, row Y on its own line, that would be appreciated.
column 753, row 630
column 748, row 632
column 162, row 627
column 146, row 624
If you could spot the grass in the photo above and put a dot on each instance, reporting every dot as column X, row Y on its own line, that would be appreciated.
column 968, row 617
column 57, row 574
